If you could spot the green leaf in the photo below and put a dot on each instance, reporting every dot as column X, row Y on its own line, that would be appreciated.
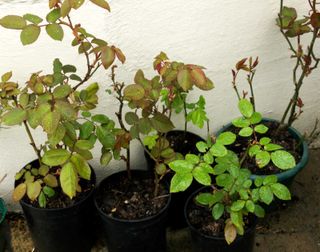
column 217, row 211
column 69, row 69
column 53, row 15
column 42, row 200
column 241, row 122
column 107, row 56
column 283, row 159
column 75, row 77
column 180, row 182
column 101, row 3
column 272, row 147
column 43, row 170
column 265, row 140
column 133, row 92
column 236, row 218
column 105, row 137
column 103, row 119
column 204, row 198
column 250, row 206
column 224, row 180
column 76, row 4
column 105, row 158
column 68, row 180
column 218, row 150
column 259, row 211
column 48, row 191
column 192, row 158
column 246, row 132
column 131, row 118
column 14, row 117
column 30, row 34
column 55, row 157
column 261, row 128
column 258, row 181
column 208, row 158
column 150, row 141
column 280, row 191
column 84, row 145
column 144, row 125
column 32, row 18
column 184, row 79
column 7, row 76
column 202, row 146
column 262, row 158
column 19, row 192
column 226, row 138
column 55, row 31
column 57, row 136
column 86, row 129
column 181, row 166
column 161, row 169
column 50, row 180
column 161, row 123
column 246, row 108
column 50, row 121
column 65, row 8
column 219, row 169
column 266, row 194
column 254, row 150
column 62, row 91
column 13, row 22
column 201, row 176
column 255, row 118
column 271, row 179
column 238, row 205
column 33, row 190
column 81, row 166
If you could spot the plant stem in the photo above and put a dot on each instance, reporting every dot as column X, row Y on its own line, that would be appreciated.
column 185, row 114
column 250, row 80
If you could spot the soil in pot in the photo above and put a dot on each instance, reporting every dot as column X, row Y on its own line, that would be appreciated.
column 132, row 218
column 64, row 225
column 208, row 234
column 281, row 137
column 183, row 142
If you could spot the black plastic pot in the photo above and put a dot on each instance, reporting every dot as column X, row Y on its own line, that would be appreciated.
column 205, row 243
column 143, row 235
column 176, row 219
column 62, row 229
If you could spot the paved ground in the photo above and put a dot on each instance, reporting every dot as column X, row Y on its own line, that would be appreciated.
column 294, row 228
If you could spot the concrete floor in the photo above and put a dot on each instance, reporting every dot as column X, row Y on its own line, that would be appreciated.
column 294, row 228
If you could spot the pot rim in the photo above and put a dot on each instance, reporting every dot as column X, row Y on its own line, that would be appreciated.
column 165, row 208
column 3, row 210
column 93, row 179
column 218, row 238
column 285, row 173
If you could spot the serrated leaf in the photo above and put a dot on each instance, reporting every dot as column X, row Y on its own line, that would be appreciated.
column 181, row 166
column 218, row 150
column 246, row 108
column 180, row 182
column 250, row 206
column 55, row 157
column 266, row 194
column 262, row 158
column 55, row 31
column 14, row 117
column 283, row 159
column 224, row 180
column 81, row 166
column 208, row 158
column 201, row 176
column 68, row 180
column 241, row 122
column 280, row 191
column 226, row 138
column 255, row 118
column 13, row 22
column 101, row 3
column 33, row 190
column 33, row 18
column 246, row 132
column 19, row 192
column 184, row 79
column 261, row 128
column 30, row 34
column 161, row 123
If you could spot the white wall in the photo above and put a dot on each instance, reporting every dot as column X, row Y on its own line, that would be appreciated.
column 211, row 33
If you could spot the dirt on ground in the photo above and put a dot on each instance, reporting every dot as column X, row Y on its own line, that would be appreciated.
column 295, row 227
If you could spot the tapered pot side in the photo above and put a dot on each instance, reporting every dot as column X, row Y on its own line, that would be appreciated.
column 206, row 243
column 4, row 228
column 120, row 235
column 285, row 177
column 62, row 229
column 176, row 219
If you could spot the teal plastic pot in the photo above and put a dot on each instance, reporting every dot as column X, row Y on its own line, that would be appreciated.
column 285, row 177
column 3, row 226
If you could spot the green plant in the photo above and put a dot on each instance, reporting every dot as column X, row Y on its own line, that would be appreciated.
column 152, row 102
column 231, row 195
column 259, row 147
column 54, row 103
column 295, row 31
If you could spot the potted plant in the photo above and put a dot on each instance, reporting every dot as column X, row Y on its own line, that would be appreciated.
column 56, row 189
column 222, row 215
column 133, row 204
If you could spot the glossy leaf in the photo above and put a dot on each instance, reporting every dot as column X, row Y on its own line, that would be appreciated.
column 262, row 129
column 180, row 182
column 14, row 117
column 266, row 194
column 280, row 191
column 181, row 166
column 81, row 166
column 262, row 158
column 218, row 150
column 217, row 211
column 226, row 138
column 246, row 108
column 283, row 159
column 55, row 157
column 201, row 176
column 19, row 192
column 68, row 180
column 33, row 190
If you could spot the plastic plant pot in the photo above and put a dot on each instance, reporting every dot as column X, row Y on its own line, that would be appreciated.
column 3, row 226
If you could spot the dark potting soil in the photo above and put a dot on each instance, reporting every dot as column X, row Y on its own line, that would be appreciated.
column 131, row 199
column 61, row 200
column 201, row 219
column 281, row 137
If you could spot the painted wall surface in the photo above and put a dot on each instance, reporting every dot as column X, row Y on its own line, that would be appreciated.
column 212, row 33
